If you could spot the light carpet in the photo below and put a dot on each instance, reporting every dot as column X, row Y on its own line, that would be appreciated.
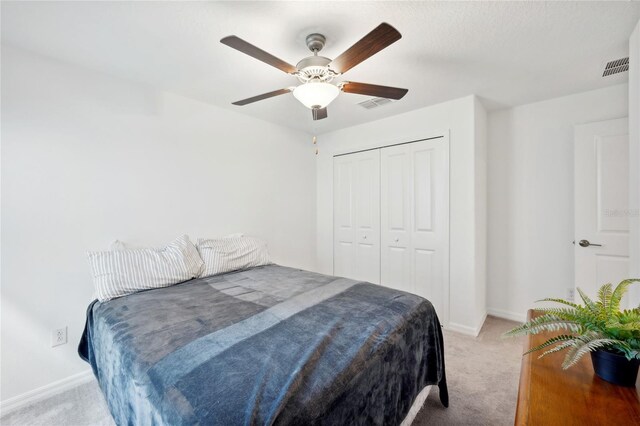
column 482, row 374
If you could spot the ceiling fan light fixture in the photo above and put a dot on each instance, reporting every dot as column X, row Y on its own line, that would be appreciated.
column 317, row 72
column 316, row 94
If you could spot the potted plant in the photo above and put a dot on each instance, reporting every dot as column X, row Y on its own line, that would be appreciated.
column 611, row 335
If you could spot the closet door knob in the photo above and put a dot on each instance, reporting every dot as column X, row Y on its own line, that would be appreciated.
column 364, row 237
column 397, row 240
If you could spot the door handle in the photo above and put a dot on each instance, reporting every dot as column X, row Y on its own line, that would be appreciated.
column 586, row 243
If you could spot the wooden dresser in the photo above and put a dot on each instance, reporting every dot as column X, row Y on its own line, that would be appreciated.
column 549, row 395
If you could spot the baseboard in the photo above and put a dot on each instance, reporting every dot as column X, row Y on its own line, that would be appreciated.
column 465, row 329
column 481, row 323
column 513, row 316
column 44, row 392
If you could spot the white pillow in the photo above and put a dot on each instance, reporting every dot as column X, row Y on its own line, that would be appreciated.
column 236, row 235
column 121, row 245
column 231, row 254
column 120, row 272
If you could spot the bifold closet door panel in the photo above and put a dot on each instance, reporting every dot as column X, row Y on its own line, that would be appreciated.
column 367, row 201
column 343, row 217
column 430, row 223
column 357, row 216
column 415, row 220
column 395, row 209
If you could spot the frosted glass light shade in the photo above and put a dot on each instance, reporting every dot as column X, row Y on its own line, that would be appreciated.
column 316, row 94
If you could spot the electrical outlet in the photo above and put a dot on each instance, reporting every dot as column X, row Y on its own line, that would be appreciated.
column 59, row 337
column 571, row 294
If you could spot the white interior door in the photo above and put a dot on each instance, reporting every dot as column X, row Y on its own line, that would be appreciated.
column 601, row 182
column 414, row 188
column 357, row 216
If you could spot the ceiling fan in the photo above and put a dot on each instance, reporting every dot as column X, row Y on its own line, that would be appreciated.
column 317, row 72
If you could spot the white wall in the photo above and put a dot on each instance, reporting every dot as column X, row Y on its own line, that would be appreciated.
column 634, row 161
column 530, row 210
column 458, row 117
column 87, row 158
column 480, row 205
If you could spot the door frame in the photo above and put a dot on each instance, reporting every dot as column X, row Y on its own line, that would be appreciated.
column 410, row 138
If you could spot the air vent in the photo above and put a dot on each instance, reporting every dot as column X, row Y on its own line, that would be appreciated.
column 375, row 103
column 615, row 67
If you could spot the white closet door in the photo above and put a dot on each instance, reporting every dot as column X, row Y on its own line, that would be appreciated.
column 395, row 259
column 357, row 216
column 415, row 220
column 344, row 252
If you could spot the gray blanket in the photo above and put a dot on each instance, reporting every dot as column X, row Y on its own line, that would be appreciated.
column 269, row 345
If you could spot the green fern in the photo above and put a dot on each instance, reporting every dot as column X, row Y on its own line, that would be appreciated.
column 593, row 307
column 564, row 302
column 547, row 322
column 558, row 348
column 585, row 344
column 604, row 295
column 552, row 341
column 577, row 316
column 597, row 325
column 618, row 293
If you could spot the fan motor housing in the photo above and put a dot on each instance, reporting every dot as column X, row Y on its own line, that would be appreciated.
column 314, row 68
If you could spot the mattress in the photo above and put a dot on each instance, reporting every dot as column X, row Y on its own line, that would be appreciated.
column 268, row 345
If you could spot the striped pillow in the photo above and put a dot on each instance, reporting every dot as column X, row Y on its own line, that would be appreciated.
column 121, row 272
column 231, row 254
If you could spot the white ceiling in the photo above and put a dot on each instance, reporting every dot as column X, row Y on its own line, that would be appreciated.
column 507, row 53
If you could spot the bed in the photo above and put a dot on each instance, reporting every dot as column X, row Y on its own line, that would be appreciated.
column 268, row 345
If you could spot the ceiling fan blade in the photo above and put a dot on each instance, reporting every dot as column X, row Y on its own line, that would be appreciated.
column 255, row 52
column 261, row 97
column 382, row 36
column 374, row 90
column 319, row 113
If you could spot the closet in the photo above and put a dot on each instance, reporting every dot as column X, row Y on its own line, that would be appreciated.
column 391, row 218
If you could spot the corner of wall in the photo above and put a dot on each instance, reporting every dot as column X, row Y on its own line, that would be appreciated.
column 480, row 207
column 634, row 160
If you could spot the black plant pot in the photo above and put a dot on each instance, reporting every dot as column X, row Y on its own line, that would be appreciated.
column 615, row 368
